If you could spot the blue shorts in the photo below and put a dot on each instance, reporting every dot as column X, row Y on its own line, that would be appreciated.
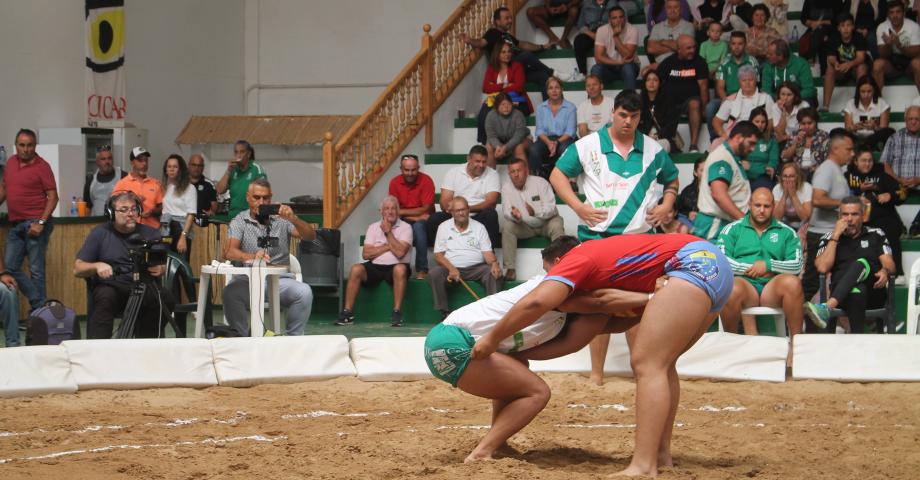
column 703, row 264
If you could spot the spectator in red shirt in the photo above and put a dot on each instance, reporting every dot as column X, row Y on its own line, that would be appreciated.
column 415, row 192
column 29, row 184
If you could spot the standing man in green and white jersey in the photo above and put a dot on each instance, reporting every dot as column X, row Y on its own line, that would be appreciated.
column 625, row 173
column 724, row 187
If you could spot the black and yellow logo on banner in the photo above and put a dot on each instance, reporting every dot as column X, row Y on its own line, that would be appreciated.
column 105, row 21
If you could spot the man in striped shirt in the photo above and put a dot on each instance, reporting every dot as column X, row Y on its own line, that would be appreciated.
column 766, row 258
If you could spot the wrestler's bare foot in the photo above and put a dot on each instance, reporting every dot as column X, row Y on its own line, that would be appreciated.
column 506, row 450
column 632, row 471
column 596, row 379
column 477, row 456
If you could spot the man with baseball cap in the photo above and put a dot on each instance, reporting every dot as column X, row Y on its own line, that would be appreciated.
column 146, row 188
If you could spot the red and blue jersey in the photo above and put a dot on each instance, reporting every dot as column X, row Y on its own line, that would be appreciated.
column 626, row 262
column 634, row 262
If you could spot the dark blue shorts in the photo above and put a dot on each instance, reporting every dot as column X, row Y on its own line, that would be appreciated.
column 703, row 264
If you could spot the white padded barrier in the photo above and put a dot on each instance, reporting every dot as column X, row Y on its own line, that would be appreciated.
column 244, row 361
column 717, row 355
column 728, row 356
column 385, row 359
column 141, row 363
column 35, row 370
column 858, row 358
column 913, row 309
column 615, row 364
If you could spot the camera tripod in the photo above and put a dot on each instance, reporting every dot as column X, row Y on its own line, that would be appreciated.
column 133, row 308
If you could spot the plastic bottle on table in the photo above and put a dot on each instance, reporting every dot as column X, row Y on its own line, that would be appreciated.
column 73, row 207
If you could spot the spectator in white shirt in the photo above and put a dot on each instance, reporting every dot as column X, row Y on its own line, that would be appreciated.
column 739, row 105
column 529, row 208
column 898, row 46
column 462, row 251
column 180, row 204
column 595, row 111
column 867, row 115
column 479, row 185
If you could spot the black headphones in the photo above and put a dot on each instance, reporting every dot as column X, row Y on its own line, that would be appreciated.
column 110, row 204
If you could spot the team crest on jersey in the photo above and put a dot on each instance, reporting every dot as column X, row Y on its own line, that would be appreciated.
column 864, row 244
column 763, row 148
column 473, row 242
column 774, row 237
column 595, row 164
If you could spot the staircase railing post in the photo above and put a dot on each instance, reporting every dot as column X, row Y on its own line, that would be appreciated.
column 428, row 85
column 330, row 183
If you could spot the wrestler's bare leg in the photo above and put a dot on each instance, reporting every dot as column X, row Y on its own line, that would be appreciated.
column 657, row 341
column 518, row 396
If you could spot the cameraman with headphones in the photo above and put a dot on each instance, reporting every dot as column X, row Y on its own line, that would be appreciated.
column 266, row 238
column 105, row 258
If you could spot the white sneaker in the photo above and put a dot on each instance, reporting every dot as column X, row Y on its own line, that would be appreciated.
column 577, row 76
column 563, row 76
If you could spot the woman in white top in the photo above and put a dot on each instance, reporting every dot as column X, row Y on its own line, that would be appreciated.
column 867, row 115
column 789, row 102
column 180, row 203
column 793, row 198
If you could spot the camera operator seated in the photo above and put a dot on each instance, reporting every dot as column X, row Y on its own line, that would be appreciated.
column 266, row 238
column 106, row 258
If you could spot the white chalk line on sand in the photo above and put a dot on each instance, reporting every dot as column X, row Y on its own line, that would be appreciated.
column 178, row 422
column 615, row 406
column 324, row 413
column 109, row 448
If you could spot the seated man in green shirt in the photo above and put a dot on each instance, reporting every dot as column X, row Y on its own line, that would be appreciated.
column 782, row 65
column 766, row 258
column 242, row 169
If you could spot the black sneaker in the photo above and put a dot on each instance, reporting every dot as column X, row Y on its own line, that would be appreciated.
column 396, row 319
column 345, row 318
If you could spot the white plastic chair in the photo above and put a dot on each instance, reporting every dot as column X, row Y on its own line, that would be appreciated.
column 913, row 309
column 295, row 268
column 777, row 313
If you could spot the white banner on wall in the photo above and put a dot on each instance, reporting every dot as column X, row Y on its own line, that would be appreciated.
column 106, row 104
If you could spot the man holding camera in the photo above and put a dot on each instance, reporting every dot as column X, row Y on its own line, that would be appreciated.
column 106, row 258
column 262, row 234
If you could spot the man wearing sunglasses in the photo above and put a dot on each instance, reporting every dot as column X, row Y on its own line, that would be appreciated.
column 99, row 185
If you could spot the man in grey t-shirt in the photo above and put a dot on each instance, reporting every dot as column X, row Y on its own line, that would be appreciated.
column 662, row 40
column 830, row 186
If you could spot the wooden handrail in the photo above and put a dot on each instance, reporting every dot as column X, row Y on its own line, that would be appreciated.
column 360, row 157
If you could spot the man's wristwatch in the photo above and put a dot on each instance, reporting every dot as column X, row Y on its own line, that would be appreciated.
column 41, row 221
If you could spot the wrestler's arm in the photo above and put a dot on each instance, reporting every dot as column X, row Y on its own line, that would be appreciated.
column 578, row 332
column 547, row 296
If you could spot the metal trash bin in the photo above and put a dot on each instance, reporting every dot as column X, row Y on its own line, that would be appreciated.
column 319, row 258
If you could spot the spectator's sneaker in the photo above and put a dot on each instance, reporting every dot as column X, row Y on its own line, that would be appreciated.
column 914, row 230
column 577, row 76
column 396, row 319
column 694, row 149
column 818, row 313
column 565, row 77
column 823, row 109
column 347, row 317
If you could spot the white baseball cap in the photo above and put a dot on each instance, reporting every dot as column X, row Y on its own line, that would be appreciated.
column 138, row 151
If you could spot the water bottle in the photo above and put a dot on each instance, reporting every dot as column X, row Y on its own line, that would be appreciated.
column 73, row 207
column 794, row 36
column 2, row 156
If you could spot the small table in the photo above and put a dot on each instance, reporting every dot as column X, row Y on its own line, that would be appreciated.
column 257, row 281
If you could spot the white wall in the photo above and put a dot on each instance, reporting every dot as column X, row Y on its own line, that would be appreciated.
column 183, row 57
column 315, row 42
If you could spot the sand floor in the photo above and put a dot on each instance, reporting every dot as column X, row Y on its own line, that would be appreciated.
column 346, row 428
